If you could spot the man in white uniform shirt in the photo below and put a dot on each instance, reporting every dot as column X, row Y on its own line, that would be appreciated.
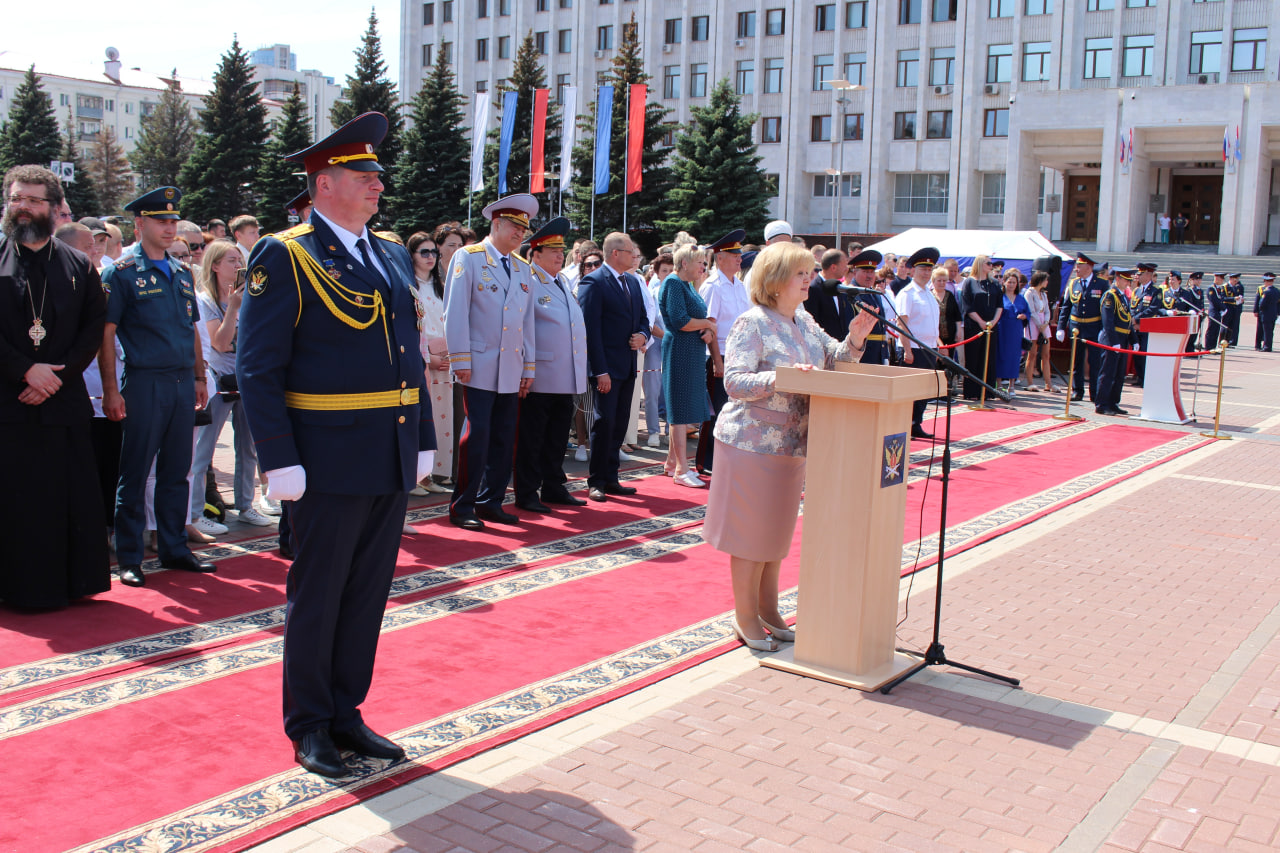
column 726, row 297
column 918, row 314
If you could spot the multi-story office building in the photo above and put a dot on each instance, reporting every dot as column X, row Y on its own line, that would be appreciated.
column 977, row 114
column 275, row 69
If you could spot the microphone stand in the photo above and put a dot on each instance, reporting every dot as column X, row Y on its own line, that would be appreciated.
column 935, row 655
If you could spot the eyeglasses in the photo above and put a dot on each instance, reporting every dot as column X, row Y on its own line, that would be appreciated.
column 590, row 265
column 183, row 257
column 28, row 200
column 197, row 247
column 428, row 253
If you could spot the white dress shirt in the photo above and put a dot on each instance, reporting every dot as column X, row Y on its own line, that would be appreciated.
column 920, row 308
column 727, row 299
column 349, row 240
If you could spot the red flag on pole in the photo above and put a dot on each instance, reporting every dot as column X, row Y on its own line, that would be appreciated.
column 635, row 135
column 537, row 157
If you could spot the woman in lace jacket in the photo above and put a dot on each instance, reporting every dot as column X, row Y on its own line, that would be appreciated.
column 762, row 432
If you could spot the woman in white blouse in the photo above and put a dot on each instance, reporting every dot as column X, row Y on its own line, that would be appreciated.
column 428, row 291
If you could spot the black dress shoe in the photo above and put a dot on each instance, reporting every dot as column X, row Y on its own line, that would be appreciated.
column 618, row 489
column 562, row 498
column 1076, row 398
column 189, row 563
column 533, row 505
column 366, row 741
column 286, row 551
column 467, row 521
column 597, row 494
column 496, row 514
column 918, row 432
column 1116, row 410
column 317, row 753
column 132, row 576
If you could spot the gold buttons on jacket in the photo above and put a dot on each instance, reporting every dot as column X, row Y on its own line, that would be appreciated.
column 402, row 419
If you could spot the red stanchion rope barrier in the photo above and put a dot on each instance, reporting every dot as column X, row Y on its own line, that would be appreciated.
column 1156, row 354
column 961, row 343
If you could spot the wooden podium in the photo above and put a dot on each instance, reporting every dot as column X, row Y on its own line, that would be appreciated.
column 851, row 548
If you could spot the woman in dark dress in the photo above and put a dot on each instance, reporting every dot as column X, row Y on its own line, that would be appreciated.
column 982, row 303
column 684, row 355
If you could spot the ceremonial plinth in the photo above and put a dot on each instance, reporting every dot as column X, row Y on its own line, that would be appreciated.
column 855, row 504
column 1162, row 387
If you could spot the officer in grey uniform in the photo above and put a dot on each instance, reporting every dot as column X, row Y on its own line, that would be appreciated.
column 489, row 330
column 152, row 306
column 546, row 411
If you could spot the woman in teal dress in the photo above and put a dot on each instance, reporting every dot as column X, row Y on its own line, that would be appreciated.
column 684, row 357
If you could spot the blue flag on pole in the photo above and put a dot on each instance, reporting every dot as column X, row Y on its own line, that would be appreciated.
column 604, row 135
column 508, row 131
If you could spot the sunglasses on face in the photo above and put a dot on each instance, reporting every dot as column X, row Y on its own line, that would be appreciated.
column 428, row 253
column 197, row 247
column 590, row 265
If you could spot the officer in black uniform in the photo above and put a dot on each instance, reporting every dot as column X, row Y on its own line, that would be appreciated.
column 1215, row 297
column 1268, row 308
column 335, row 391
column 1081, row 303
column 152, row 307
column 1189, row 298
column 864, row 266
column 1235, row 307
column 1147, row 302
column 1115, row 330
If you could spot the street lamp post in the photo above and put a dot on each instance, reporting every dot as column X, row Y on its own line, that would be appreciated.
column 843, row 87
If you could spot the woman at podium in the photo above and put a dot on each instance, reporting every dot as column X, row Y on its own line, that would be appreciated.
column 762, row 434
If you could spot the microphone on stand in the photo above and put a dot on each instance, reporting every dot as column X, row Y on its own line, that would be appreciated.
column 852, row 290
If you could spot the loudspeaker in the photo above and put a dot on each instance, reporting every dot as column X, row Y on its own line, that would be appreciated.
column 1052, row 264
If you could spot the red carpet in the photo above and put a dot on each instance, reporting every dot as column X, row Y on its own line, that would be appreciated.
column 174, row 743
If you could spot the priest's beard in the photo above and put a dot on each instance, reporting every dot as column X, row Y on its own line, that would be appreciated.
column 25, row 227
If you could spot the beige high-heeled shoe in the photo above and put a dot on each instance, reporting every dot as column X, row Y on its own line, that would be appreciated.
column 782, row 635
column 765, row 645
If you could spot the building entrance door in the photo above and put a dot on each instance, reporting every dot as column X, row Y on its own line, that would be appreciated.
column 1199, row 198
column 1082, row 208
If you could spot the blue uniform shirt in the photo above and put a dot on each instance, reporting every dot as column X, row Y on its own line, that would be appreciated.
column 155, row 313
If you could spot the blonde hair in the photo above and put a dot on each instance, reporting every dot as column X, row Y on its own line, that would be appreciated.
column 687, row 253
column 979, row 268
column 940, row 272
column 213, row 255
column 774, row 267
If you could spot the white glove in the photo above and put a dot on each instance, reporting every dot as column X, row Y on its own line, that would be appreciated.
column 1061, row 335
column 1136, row 347
column 286, row 484
column 426, row 461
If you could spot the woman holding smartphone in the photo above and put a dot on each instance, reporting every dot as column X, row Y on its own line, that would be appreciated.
column 219, row 291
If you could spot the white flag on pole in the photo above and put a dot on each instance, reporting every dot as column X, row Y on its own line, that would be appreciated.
column 479, row 130
column 568, row 130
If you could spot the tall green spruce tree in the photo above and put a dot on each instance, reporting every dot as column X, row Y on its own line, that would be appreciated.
column 434, row 169
column 81, row 196
column 277, row 183
column 370, row 90
column 218, row 179
column 527, row 74
column 165, row 141
column 31, row 134
column 646, row 206
column 719, row 185
column 108, row 167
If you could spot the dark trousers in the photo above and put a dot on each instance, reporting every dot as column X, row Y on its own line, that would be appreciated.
column 1212, row 332
column 921, row 360
column 1193, row 339
column 541, row 438
column 1267, row 322
column 1091, row 354
column 459, row 426
column 613, row 410
column 1232, row 319
column 159, row 424
column 106, row 436
column 1140, row 361
column 704, row 456
column 977, row 360
column 285, row 528
column 486, row 448
column 1110, row 379
column 336, row 591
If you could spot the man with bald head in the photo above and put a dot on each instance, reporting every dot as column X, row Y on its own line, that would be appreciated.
column 75, row 235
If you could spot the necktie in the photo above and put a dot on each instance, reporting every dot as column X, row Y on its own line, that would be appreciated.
column 367, row 259
column 506, row 265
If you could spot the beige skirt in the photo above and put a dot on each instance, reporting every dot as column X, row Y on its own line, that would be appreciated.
column 754, row 502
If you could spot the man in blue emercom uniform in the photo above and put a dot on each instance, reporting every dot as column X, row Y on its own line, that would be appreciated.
column 333, row 385
column 152, row 306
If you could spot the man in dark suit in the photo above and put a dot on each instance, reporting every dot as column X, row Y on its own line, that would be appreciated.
column 617, row 327
column 334, row 388
column 824, row 303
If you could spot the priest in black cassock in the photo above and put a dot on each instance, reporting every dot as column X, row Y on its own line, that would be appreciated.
column 53, row 547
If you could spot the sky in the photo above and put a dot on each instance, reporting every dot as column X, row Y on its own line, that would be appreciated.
column 193, row 37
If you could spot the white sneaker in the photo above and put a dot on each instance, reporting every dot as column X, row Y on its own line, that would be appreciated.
column 419, row 491
column 690, row 479
column 257, row 519
column 267, row 507
column 624, row 456
column 581, row 453
column 207, row 525
column 408, row 530
column 654, row 440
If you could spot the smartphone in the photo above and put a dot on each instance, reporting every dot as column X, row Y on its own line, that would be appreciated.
column 240, row 273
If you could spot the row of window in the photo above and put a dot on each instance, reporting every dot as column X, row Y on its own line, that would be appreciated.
column 995, row 123
column 1248, row 53
column 926, row 192
column 94, row 102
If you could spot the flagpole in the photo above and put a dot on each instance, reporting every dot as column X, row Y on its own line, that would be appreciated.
column 626, row 164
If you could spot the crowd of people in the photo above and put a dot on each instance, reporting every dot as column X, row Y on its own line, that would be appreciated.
column 358, row 368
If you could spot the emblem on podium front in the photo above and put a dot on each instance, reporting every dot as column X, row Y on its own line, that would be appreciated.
column 893, row 469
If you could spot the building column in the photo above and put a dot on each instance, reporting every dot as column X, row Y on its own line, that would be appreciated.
column 1022, row 183
column 1250, row 189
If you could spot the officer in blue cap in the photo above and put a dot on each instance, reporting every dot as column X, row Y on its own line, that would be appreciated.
column 1235, row 307
column 152, row 307
column 1115, row 330
column 1268, row 309
column 1082, row 309
column 864, row 266
column 335, row 391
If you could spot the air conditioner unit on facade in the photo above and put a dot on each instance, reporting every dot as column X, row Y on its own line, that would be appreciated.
column 739, row 42
column 600, row 54
column 666, row 48
column 942, row 90
column 991, row 89
column 1205, row 79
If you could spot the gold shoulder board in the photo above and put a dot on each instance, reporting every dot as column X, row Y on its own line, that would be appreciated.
column 474, row 248
column 296, row 231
